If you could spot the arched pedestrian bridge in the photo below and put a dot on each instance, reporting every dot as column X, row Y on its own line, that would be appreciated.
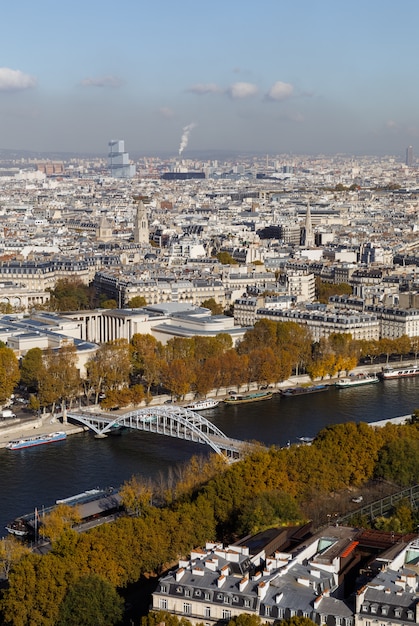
column 171, row 421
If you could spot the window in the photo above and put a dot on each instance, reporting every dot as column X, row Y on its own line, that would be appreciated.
column 207, row 596
column 247, row 603
column 267, row 611
column 226, row 614
column 187, row 592
column 163, row 604
column 187, row 608
column 163, row 589
column 338, row 621
column 207, row 612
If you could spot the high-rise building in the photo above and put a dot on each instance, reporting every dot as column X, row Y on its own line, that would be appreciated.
column 409, row 156
column 119, row 164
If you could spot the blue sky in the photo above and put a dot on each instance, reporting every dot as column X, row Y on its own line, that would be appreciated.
column 273, row 76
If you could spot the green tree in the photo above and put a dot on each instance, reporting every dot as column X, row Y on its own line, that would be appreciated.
column 325, row 290
column 9, row 373
column 266, row 510
column 297, row 620
column 398, row 461
column 70, row 295
column 31, row 367
column 137, row 302
column 109, row 304
column 245, row 619
column 225, row 258
column 91, row 601
column 213, row 306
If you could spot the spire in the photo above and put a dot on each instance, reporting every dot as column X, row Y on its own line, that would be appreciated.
column 141, row 234
column 309, row 238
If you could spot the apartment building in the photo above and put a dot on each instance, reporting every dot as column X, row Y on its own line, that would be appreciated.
column 325, row 322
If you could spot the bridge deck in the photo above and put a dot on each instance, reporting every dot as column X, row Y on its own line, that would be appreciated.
column 178, row 422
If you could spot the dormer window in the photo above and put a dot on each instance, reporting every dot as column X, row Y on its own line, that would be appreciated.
column 398, row 612
column 410, row 614
column 365, row 607
column 374, row 608
column 384, row 609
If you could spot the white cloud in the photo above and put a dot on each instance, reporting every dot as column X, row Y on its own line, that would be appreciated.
column 280, row 91
column 15, row 80
column 204, row 88
column 239, row 91
column 102, row 81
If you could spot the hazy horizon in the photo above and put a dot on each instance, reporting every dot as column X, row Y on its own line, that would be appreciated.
column 276, row 78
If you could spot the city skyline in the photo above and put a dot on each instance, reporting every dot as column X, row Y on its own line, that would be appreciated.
column 167, row 77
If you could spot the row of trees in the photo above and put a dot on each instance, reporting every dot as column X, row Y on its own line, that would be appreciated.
column 206, row 501
column 128, row 372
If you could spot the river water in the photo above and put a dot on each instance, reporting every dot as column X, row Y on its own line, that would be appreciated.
column 36, row 477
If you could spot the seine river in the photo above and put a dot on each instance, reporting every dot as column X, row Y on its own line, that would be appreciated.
column 36, row 477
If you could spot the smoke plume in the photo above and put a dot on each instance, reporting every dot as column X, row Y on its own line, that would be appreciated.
column 185, row 137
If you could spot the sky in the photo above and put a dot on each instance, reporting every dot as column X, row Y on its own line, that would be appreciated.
column 180, row 76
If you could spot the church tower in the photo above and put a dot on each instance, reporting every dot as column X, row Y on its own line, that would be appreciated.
column 104, row 232
column 141, row 234
column 309, row 238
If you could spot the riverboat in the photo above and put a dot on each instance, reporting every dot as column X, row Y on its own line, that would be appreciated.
column 356, row 381
column 36, row 440
column 401, row 372
column 203, row 405
column 93, row 504
column 250, row 397
column 302, row 391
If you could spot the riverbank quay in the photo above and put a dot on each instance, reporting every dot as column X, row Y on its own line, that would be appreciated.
column 20, row 428
column 27, row 426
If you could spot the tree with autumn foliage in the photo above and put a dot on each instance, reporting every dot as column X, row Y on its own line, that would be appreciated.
column 109, row 368
column 57, row 521
column 12, row 550
column 147, row 359
column 9, row 373
column 60, row 378
column 136, row 495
